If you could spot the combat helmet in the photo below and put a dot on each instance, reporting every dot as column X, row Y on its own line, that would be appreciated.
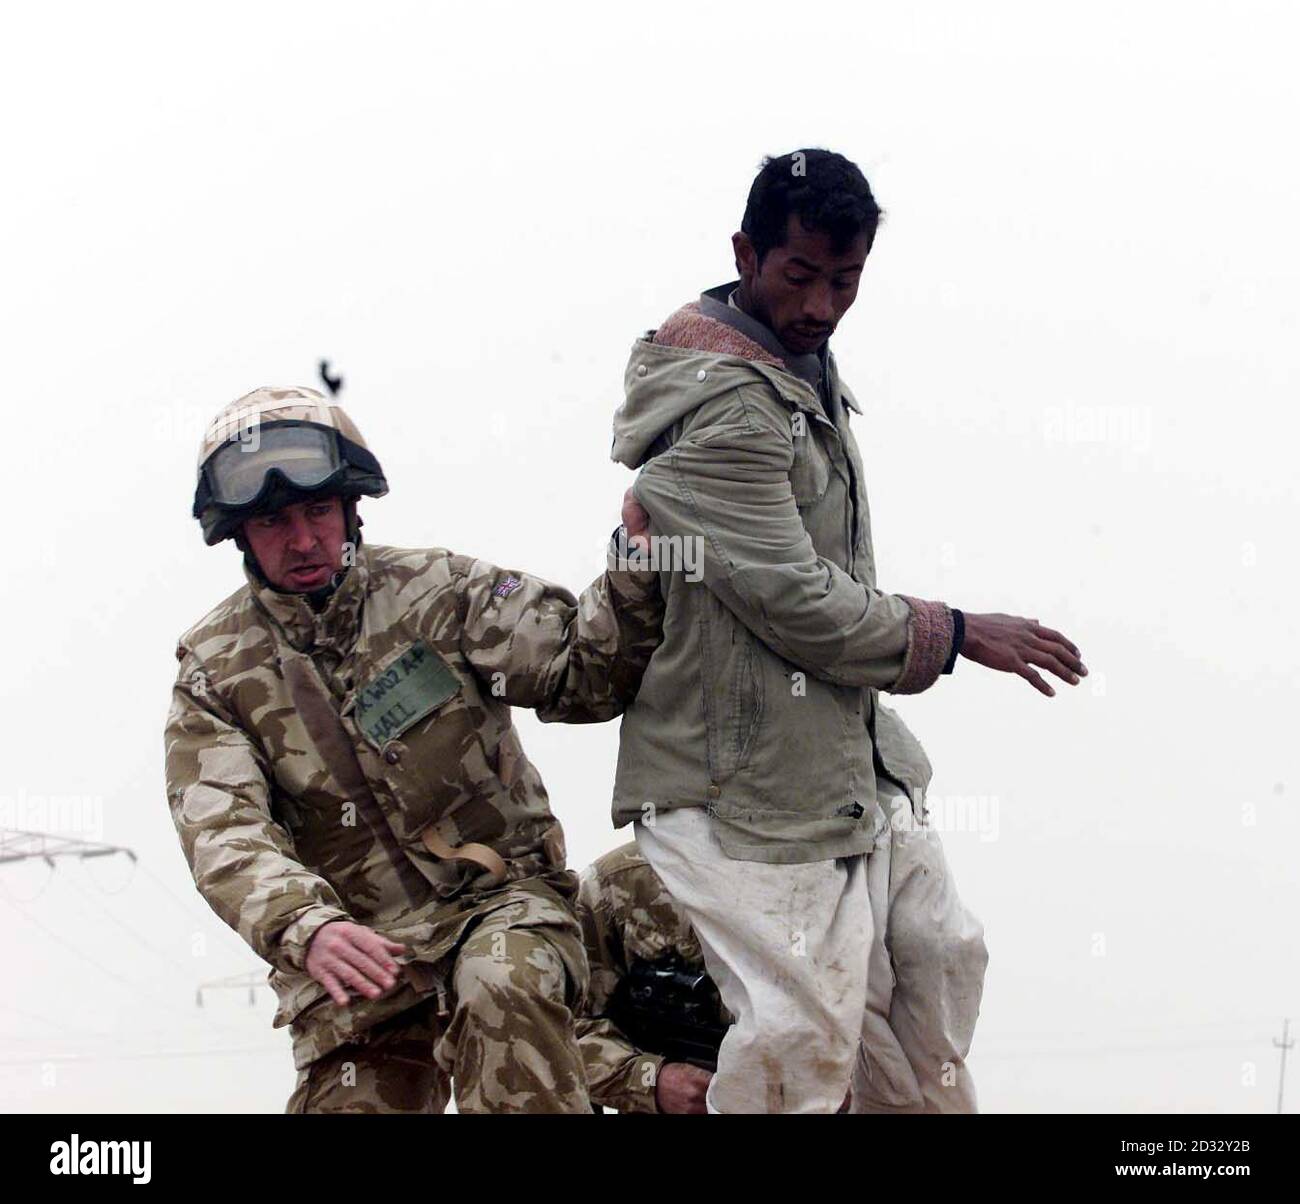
column 275, row 447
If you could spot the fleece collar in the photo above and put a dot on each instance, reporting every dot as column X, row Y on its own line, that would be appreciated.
column 720, row 303
column 709, row 325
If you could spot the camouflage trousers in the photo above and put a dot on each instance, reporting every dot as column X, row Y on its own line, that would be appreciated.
column 502, row 1042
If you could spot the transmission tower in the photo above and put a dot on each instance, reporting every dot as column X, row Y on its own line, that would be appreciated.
column 17, row 845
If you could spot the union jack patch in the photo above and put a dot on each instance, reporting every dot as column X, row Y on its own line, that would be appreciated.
column 503, row 589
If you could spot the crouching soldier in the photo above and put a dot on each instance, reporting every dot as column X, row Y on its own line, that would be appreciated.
column 652, row 1022
column 349, row 790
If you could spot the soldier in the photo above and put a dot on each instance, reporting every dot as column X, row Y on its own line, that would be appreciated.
column 349, row 790
column 925, row 979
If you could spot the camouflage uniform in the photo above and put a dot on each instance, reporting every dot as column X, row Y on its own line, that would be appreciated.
column 627, row 916
column 359, row 763
column 915, row 1033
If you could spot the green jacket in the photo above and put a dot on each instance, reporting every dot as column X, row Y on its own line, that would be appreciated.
column 761, row 702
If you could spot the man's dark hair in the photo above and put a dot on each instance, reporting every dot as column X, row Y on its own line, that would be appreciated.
column 827, row 191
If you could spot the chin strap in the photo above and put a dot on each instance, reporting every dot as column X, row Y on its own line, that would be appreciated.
column 250, row 561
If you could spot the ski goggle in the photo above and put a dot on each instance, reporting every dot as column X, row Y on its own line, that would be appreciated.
column 305, row 456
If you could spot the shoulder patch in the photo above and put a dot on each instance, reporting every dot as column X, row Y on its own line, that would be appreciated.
column 506, row 586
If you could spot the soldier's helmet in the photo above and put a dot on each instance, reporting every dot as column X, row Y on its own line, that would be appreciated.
column 274, row 447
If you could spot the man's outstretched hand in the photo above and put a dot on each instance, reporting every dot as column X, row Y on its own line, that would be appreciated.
column 345, row 956
column 1016, row 645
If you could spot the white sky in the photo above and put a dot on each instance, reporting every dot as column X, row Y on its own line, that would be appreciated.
column 1074, row 345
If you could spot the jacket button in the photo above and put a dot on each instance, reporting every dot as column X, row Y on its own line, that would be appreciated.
column 641, row 369
column 701, row 375
column 392, row 754
column 715, row 792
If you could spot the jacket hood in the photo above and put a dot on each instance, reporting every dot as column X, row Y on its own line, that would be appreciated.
column 688, row 361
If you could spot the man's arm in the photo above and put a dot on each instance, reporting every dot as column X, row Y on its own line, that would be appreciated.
column 573, row 660
column 728, row 482
column 243, row 862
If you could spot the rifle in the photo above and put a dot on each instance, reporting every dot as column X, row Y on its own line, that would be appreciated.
column 670, row 1009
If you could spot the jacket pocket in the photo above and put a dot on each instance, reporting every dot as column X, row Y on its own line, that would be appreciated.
column 296, row 994
column 810, row 473
column 732, row 684
column 813, row 751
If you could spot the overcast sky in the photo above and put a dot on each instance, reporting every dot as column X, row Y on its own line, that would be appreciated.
column 1074, row 345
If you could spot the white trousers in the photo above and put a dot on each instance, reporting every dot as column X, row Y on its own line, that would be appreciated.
column 785, row 945
column 925, row 977
column 821, row 994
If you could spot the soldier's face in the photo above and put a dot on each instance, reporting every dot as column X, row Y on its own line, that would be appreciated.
column 803, row 288
column 300, row 547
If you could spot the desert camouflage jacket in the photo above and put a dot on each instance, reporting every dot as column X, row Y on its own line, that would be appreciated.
column 626, row 916
column 315, row 760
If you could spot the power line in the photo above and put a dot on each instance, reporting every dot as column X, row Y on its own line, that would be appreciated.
column 249, row 980
column 54, row 936
column 137, row 937
column 6, row 892
column 101, row 888
column 17, row 844
column 62, row 1029
column 133, row 987
column 186, row 907
column 20, row 845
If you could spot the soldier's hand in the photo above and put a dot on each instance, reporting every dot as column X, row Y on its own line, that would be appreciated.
column 636, row 522
column 680, row 1088
column 1015, row 645
column 345, row 957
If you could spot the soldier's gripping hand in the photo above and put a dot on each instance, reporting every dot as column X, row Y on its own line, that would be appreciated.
column 680, row 1089
column 1015, row 645
column 345, row 956
column 636, row 522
